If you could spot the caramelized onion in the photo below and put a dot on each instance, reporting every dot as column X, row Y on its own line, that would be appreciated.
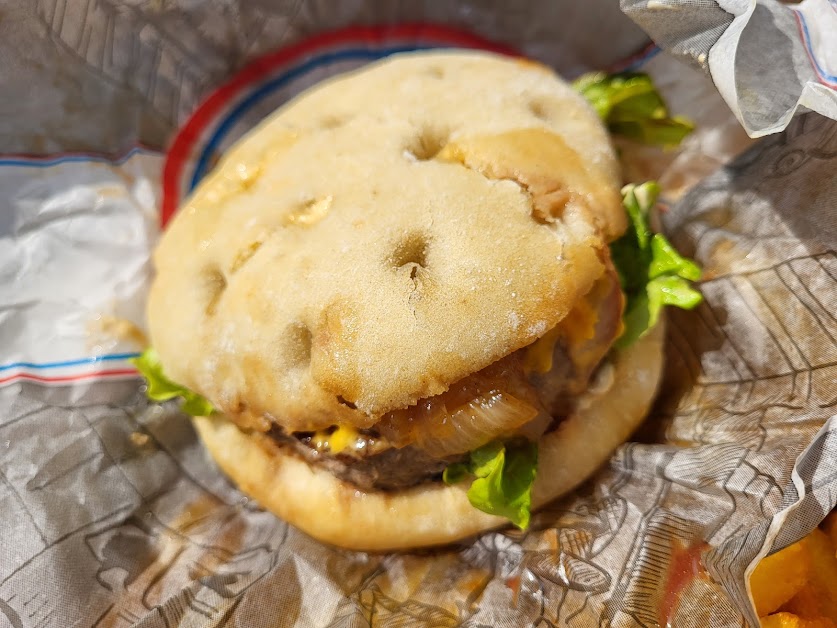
column 479, row 421
column 490, row 404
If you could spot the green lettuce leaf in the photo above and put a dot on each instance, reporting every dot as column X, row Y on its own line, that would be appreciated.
column 632, row 107
column 652, row 273
column 503, row 475
column 455, row 473
column 161, row 388
column 665, row 260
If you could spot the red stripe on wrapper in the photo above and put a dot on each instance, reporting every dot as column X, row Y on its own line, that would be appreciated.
column 255, row 71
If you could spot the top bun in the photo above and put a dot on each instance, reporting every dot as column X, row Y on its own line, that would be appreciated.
column 382, row 236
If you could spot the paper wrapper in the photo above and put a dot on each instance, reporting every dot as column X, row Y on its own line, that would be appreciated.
column 112, row 515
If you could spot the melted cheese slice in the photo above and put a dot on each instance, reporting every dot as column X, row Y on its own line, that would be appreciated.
column 576, row 328
column 337, row 441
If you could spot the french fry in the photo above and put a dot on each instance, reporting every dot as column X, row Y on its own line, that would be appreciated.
column 805, row 604
column 829, row 526
column 779, row 577
column 818, row 598
column 800, row 581
column 788, row 620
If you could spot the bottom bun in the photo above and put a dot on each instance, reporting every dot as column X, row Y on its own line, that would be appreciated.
column 337, row 512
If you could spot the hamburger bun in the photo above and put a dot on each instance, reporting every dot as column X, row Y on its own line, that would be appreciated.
column 393, row 237
column 382, row 236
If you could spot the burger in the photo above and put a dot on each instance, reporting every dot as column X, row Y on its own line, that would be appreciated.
column 414, row 303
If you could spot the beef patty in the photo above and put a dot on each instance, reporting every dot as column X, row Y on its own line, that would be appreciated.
column 390, row 470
